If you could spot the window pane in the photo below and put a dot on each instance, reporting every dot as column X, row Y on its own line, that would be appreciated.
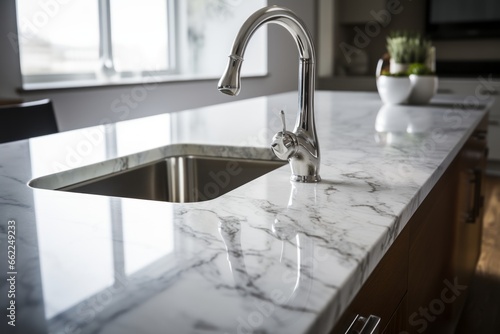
column 58, row 37
column 212, row 26
column 139, row 30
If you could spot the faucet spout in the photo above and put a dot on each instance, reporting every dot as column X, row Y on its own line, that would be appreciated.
column 301, row 148
column 230, row 82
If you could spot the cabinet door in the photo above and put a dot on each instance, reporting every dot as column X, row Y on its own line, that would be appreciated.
column 470, row 198
column 431, row 228
column 494, row 136
column 399, row 321
column 384, row 290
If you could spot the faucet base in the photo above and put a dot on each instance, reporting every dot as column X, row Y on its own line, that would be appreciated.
column 305, row 178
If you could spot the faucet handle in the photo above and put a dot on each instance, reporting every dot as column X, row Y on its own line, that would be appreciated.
column 283, row 121
column 284, row 142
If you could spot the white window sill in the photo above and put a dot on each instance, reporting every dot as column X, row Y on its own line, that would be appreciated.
column 145, row 80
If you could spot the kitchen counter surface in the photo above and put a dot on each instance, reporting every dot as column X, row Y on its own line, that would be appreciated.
column 270, row 256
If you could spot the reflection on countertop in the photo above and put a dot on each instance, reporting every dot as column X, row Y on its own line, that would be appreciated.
column 399, row 123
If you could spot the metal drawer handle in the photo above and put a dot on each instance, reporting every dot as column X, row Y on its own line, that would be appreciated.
column 489, row 92
column 480, row 134
column 477, row 176
column 361, row 325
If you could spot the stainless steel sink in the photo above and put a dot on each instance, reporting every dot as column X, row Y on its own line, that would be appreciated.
column 187, row 178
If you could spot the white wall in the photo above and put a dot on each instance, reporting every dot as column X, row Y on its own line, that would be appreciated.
column 82, row 107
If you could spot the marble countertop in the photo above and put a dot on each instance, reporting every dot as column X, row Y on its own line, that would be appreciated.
column 268, row 257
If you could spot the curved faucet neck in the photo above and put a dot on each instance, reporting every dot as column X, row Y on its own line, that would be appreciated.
column 305, row 119
column 304, row 156
column 282, row 16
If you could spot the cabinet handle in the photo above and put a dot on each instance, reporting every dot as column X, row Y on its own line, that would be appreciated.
column 361, row 325
column 489, row 92
column 478, row 199
column 480, row 134
column 493, row 122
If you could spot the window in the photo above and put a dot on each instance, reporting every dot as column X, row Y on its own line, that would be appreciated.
column 92, row 42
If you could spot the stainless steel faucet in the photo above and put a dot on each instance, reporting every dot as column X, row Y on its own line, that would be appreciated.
column 300, row 147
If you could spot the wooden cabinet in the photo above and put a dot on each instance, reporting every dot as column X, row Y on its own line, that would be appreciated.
column 431, row 247
column 384, row 290
column 420, row 284
column 399, row 321
column 470, row 202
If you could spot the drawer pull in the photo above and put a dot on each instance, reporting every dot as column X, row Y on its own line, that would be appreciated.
column 480, row 134
column 491, row 92
column 493, row 122
column 477, row 176
column 361, row 325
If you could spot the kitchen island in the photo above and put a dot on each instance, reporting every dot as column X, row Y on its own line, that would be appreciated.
column 268, row 257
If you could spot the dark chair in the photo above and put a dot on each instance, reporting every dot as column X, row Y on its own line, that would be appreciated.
column 26, row 120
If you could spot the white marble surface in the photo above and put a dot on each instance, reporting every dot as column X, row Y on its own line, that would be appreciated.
column 268, row 257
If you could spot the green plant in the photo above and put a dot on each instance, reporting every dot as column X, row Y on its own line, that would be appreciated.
column 415, row 68
column 397, row 75
column 419, row 69
column 407, row 47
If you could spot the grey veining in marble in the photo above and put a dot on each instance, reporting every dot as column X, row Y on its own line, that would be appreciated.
column 268, row 257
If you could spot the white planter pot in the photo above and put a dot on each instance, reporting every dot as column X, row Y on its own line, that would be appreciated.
column 423, row 88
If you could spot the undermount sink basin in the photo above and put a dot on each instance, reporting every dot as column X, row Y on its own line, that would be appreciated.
column 178, row 178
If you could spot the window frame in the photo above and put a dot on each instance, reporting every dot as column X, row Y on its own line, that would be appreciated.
column 108, row 73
